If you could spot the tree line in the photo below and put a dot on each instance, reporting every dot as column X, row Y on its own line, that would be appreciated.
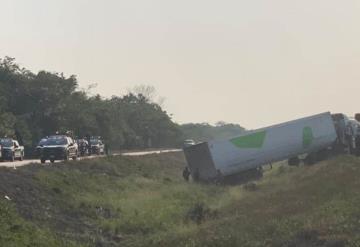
column 34, row 105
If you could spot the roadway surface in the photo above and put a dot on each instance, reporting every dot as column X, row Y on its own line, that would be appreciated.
column 37, row 161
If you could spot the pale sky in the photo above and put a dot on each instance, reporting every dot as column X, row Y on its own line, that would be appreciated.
column 254, row 62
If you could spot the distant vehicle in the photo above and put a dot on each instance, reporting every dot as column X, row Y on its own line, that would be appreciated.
column 40, row 146
column 314, row 138
column 11, row 150
column 83, row 147
column 97, row 146
column 59, row 147
column 188, row 143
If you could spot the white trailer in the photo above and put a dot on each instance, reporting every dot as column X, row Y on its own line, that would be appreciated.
column 256, row 148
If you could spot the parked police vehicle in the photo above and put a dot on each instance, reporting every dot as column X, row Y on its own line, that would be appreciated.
column 59, row 147
column 40, row 146
column 97, row 146
column 11, row 150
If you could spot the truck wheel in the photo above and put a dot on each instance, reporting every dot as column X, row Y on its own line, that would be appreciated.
column 294, row 161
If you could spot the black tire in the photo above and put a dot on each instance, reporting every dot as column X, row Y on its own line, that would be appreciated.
column 42, row 161
column 294, row 161
column 52, row 161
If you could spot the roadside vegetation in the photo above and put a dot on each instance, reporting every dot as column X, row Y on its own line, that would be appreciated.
column 143, row 201
column 35, row 105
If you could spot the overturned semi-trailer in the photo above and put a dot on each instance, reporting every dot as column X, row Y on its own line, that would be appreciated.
column 305, row 137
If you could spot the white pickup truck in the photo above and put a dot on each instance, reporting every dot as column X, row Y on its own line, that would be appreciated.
column 11, row 150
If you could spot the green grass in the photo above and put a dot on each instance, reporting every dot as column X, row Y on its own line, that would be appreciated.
column 143, row 201
column 17, row 232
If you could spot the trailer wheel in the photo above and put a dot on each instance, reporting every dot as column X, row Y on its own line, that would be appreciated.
column 294, row 161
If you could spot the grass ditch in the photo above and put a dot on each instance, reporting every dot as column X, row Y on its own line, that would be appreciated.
column 143, row 201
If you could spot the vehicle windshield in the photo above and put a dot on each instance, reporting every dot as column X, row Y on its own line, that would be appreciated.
column 56, row 141
column 42, row 142
column 94, row 141
column 6, row 142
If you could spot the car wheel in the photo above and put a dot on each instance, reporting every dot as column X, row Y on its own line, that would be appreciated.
column 52, row 160
column 43, row 161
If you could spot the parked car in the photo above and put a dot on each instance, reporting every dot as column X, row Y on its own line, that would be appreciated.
column 97, row 146
column 11, row 150
column 59, row 147
column 188, row 143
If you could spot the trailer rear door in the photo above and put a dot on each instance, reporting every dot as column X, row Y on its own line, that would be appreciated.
column 199, row 160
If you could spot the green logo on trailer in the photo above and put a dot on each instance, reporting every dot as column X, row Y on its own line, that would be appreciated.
column 254, row 140
column 308, row 137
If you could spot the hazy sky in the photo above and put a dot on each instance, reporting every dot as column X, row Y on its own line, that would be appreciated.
column 254, row 62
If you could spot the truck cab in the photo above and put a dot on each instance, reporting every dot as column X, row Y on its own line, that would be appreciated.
column 59, row 147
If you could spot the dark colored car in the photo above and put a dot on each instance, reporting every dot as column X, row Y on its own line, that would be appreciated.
column 39, row 147
column 97, row 146
column 11, row 150
column 59, row 147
